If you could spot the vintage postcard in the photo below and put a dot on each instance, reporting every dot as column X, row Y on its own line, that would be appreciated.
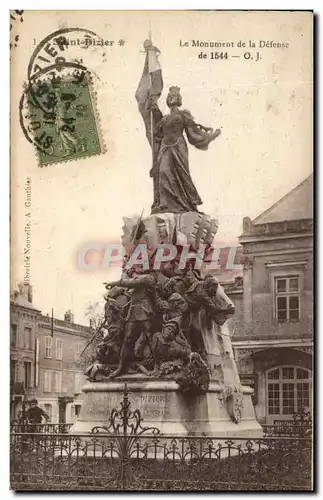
column 161, row 325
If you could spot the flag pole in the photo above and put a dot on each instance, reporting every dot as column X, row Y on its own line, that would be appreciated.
column 152, row 131
column 151, row 111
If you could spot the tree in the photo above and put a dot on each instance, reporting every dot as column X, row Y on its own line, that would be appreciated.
column 94, row 313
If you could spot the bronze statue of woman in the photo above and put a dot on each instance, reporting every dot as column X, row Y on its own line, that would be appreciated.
column 174, row 188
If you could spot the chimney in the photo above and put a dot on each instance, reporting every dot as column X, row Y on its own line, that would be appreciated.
column 69, row 316
column 30, row 293
column 25, row 290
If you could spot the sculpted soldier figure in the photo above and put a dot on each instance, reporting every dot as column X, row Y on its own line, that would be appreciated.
column 173, row 353
column 115, row 311
column 210, row 296
column 200, row 293
column 171, row 344
column 107, row 355
column 175, row 284
column 117, row 299
column 139, row 318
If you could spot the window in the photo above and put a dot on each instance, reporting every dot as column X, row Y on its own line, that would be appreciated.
column 78, row 383
column 79, row 348
column 274, row 374
column 303, row 394
column 302, row 374
column 288, row 390
column 14, row 335
column 287, row 299
column 28, row 338
column 288, row 372
column 273, row 399
column 13, row 371
column 48, row 409
column 77, row 409
column 27, row 374
column 47, row 381
column 288, row 399
column 58, row 381
column 48, row 347
column 59, row 349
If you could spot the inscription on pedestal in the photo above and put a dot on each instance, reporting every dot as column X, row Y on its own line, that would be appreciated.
column 153, row 398
column 154, row 406
column 98, row 407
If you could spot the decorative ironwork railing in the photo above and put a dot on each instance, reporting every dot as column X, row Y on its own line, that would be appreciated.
column 123, row 462
column 287, row 430
column 277, row 430
column 16, row 427
column 299, row 426
column 125, row 455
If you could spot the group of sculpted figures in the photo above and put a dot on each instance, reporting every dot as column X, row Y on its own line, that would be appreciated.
column 150, row 325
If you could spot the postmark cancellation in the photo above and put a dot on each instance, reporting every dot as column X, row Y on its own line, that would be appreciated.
column 61, row 118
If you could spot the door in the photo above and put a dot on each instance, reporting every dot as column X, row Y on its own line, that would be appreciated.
column 62, row 412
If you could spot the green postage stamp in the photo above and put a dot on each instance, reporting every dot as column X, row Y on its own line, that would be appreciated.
column 62, row 119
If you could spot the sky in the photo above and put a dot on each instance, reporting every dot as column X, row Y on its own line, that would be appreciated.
column 264, row 110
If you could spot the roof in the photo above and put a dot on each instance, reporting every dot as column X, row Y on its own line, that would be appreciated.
column 21, row 301
column 45, row 322
column 295, row 205
column 226, row 272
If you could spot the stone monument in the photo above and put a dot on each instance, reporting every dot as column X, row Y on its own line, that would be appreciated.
column 164, row 331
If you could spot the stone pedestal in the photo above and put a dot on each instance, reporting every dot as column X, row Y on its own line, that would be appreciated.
column 164, row 406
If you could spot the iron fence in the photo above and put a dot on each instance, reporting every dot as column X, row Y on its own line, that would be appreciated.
column 299, row 426
column 66, row 462
column 286, row 429
column 283, row 430
column 40, row 428
column 125, row 455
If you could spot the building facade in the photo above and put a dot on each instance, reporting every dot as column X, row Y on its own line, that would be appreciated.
column 23, row 328
column 272, row 334
column 60, row 375
column 45, row 359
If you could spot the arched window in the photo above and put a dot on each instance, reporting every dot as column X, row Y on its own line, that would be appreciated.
column 288, row 390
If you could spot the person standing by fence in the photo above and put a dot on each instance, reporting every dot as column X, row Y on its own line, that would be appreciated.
column 35, row 415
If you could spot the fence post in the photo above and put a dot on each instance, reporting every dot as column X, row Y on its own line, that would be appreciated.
column 124, row 448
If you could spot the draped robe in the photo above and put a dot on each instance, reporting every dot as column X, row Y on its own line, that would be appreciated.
column 174, row 188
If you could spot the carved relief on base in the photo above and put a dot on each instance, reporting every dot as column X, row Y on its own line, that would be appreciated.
column 232, row 397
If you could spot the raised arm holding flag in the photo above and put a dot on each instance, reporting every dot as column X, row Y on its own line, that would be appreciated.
column 148, row 92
